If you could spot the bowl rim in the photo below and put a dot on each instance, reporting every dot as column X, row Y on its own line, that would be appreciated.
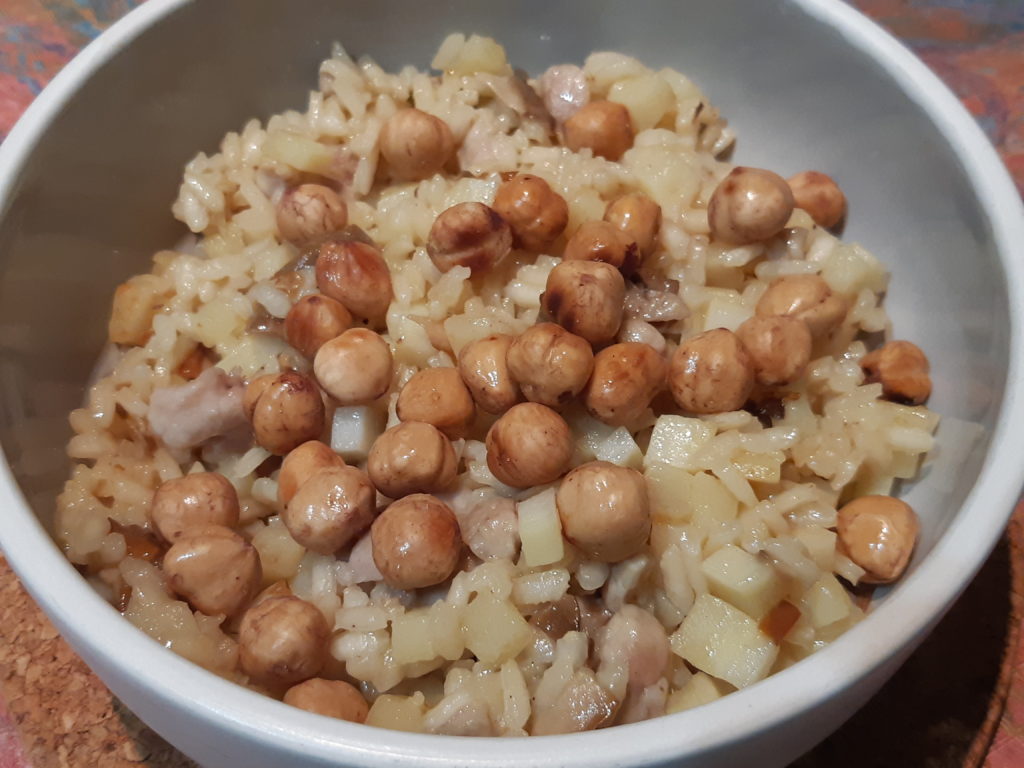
column 94, row 627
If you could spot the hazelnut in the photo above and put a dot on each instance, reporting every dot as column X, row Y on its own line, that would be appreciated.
column 469, row 235
column 711, row 373
column 313, row 321
column 604, row 127
column 550, row 364
column 749, row 205
column 437, row 396
column 536, row 213
column 529, row 445
column 586, row 298
column 416, row 542
column 355, row 367
column 199, row 499
column 310, row 211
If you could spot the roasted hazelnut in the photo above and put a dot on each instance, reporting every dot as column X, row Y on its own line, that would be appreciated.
column 604, row 510
column 626, row 378
column 215, row 569
column 638, row 217
column 310, row 211
column 483, row 366
column 550, row 364
column 416, row 542
column 902, row 369
column 469, row 235
column 749, row 205
column 331, row 509
column 878, row 533
column 437, row 396
column 331, row 698
column 302, row 463
column 603, row 241
column 779, row 347
column 355, row 367
column 711, row 373
column 604, row 127
column 586, row 298
column 805, row 297
column 529, row 445
column 286, row 411
column 282, row 641
column 820, row 196
column 313, row 321
column 199, row 499
column 415, row 144
column 412, row 457
column 536, row 213
column 356, row 275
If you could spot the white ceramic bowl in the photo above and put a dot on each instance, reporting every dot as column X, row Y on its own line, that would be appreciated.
column 85, row 181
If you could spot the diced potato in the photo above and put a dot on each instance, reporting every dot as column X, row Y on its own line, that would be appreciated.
column 699, row 690
column 426, row 633
column 724, row 642
column 726, row 312
column 647, row 97
column 676, row 440
column 135, row 304
column 300, row 152
column 669, row 490
column 411, row 341
column 746, row 581
column 540, row 529
column 354, row 430
column 604, row 68
column 904, row 465
column 462, row 329
column 254, row 353
column 820, row 544
column 494, row 630
column 711, row 503
column 619, row 448
column 460, row 56
column 665, row 174
column 826, row 602
column 760, row 467
column 849, row 269
column 398, row 713
column 218, row 322
column 280, row 554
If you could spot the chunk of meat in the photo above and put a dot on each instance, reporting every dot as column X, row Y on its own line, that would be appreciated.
column 645, row 703
column 188, row 415
column 633, row 650
column 582, row 705
column 486, row 147
column 565, row 90
column 490, row 528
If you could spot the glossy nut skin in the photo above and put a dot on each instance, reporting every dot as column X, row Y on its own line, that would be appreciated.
column 805, row 297
column 749, row 205
column 214, row 569
column 356, row 275
column 302, row 463
column 355, row 367
column 550, row 364
column 415, row 144
column 604, row 510
column 711, row 373
column 198, row 499
column 416, row 542
column 536, row 213
column 529, row 445
column 313, row 321
column 412, row 457
column 878, row 533
column 586, row 298
column 903, row 371
column 469, row 235
column 483, row 365
column 286, row 411
column 331, row 698
column 819, row 195
column 437, row 396
column 604, row 127
column 282, row 641
column 638, row 217
column 779, row 346
column 331, row 509
column 310, row 211
column 603, row 241
column 626, row 378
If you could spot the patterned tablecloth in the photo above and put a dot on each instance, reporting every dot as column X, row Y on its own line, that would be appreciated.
column 944, row 709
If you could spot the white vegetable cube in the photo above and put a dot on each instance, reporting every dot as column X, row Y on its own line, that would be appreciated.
column 426, row 633
column 619, row 448
column 849, row 268
column 354, row 429
column 820, row 544
column 676, row 440
column 726, row 312
column 494, row 630
column 699, row 690
column 826, row 602
column 647, row 97
column 710, row 501
column 540, row 529
column 744, row 580
column 724, row 642
column 397, row 713
column 760, row 467
column 669, row 490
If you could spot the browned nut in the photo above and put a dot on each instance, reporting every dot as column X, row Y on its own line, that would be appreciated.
column 603, row 241
column 469, row 235
column 412, row 457
column 437, row 396
column 586, row 298
column 202, row 498
column 484, row 369
column 602, row 126
column 749, row 205
column 535, row 212
column 711, row 373
column 355, row 367
column 779, row 347
column 820, row 196
column 604, row 510
column 215, row 569
column 415, row 144
column 550, row 364
column 638, row 217
column 282, row 641
column 313, row 321
column 286, row 411
column 301, row 464
column 878, row 533
column 310, row 211
column 626, row 378
column 330, row 509
column 805, row 297
column 902, row 369
column 416, row 542
column 331, row 698
column 530, row 445
column 356, row 275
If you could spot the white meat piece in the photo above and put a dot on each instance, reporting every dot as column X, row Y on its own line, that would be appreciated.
column 190, row 414
column 633, row 644
column 486, row 148
column 565, row 90
column 360, row 561
column 490, row 528
column 582, row 705
column 645, row 703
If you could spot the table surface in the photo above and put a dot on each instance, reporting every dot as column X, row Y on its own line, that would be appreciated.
column 959, row 701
